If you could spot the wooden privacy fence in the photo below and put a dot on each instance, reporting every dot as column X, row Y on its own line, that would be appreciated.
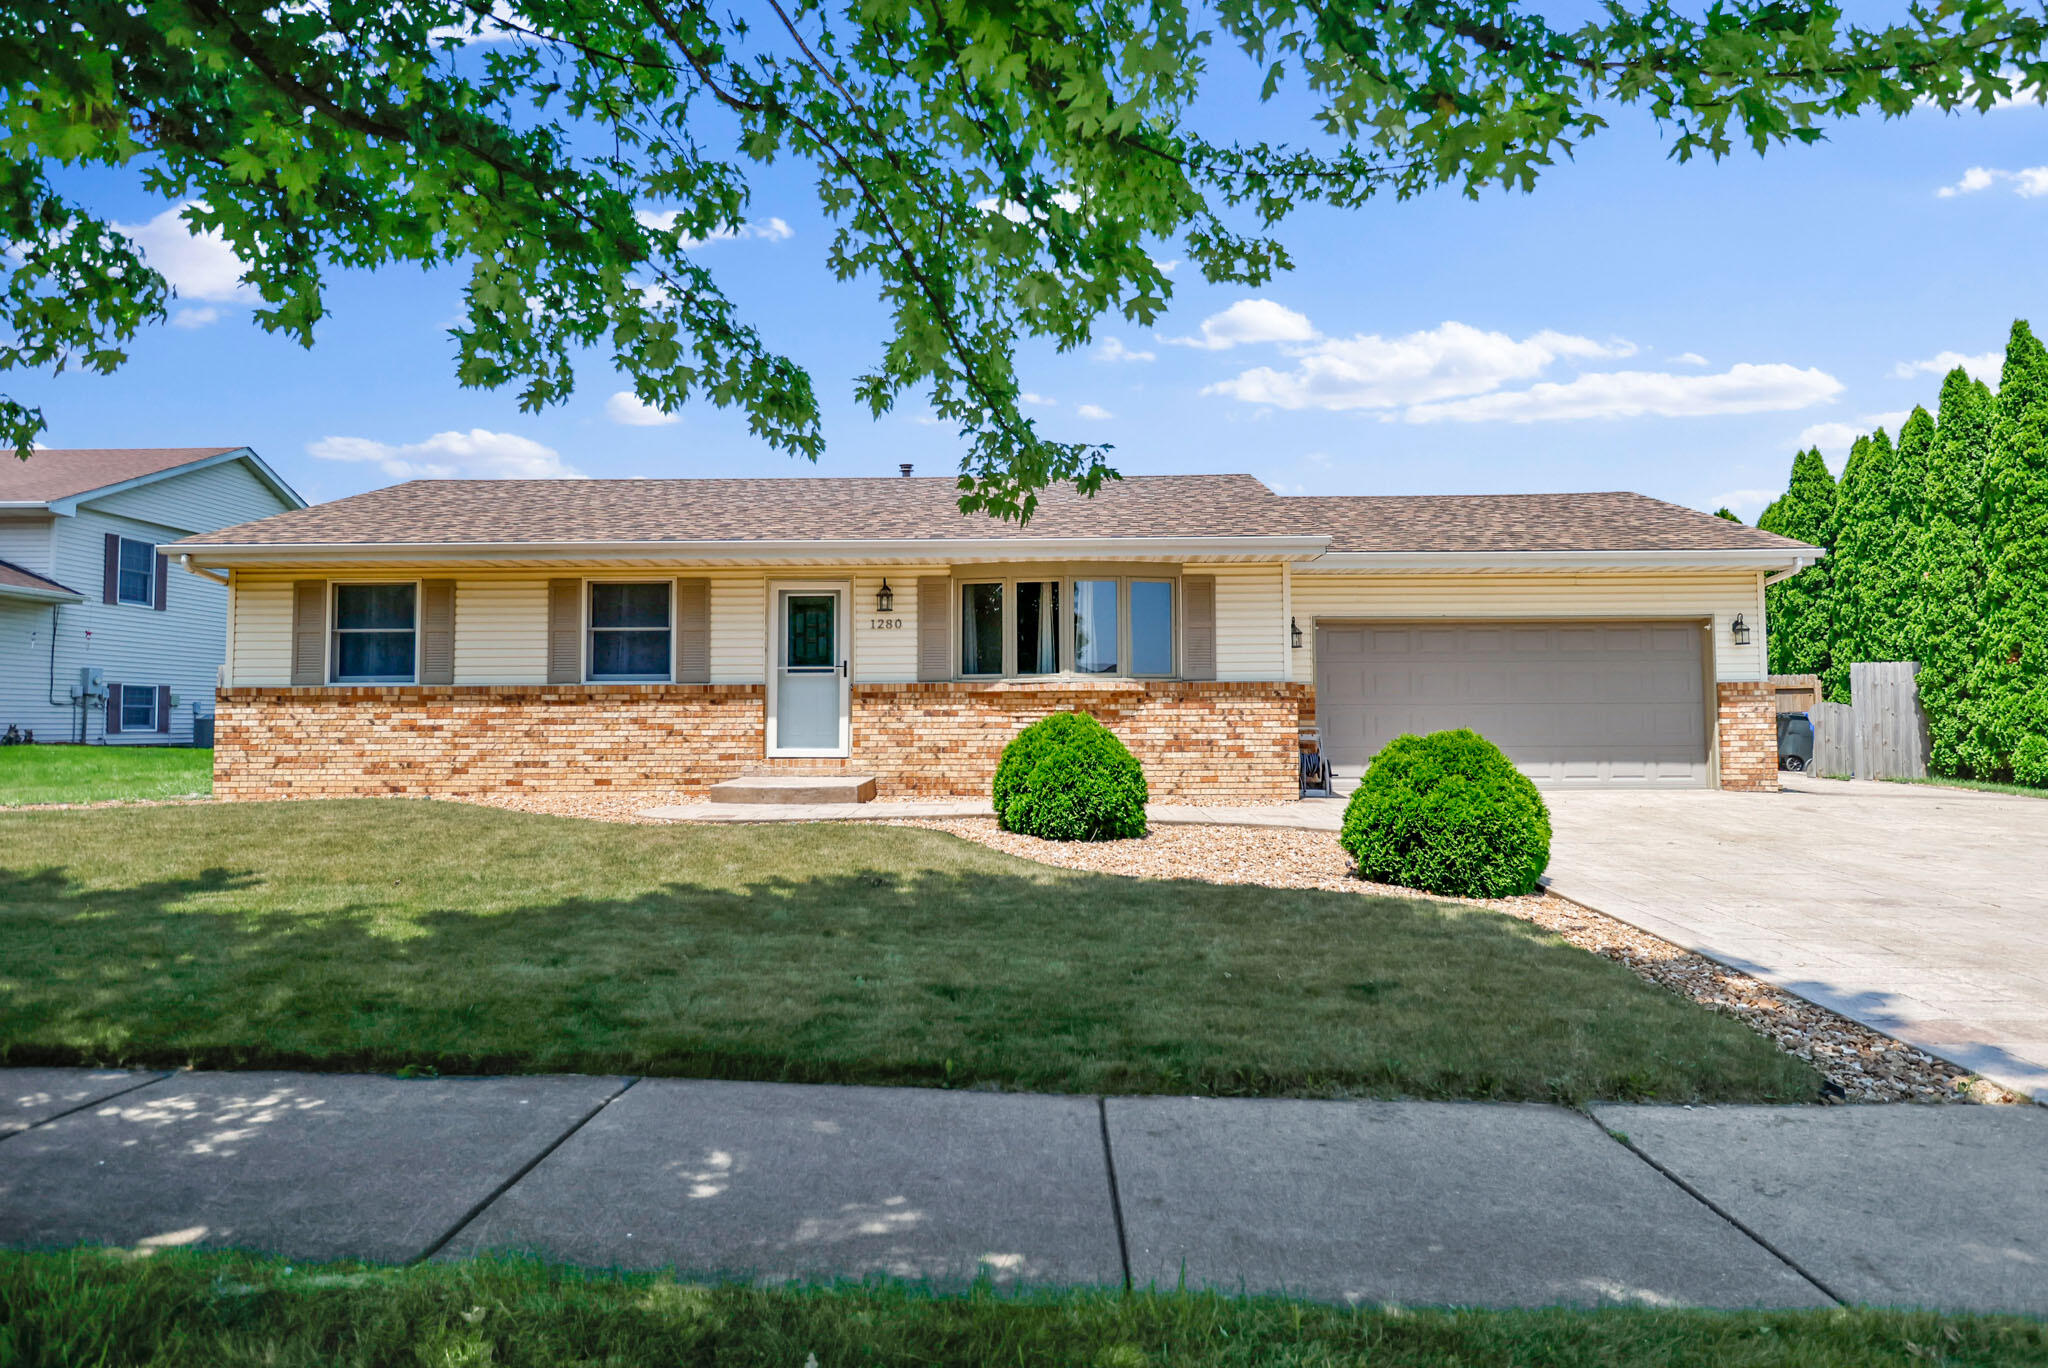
column 1882, row 734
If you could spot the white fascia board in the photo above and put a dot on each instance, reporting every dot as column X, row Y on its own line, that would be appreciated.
column 931, row 550
column 20, row 591
column 1413, row 562
column 68, row 505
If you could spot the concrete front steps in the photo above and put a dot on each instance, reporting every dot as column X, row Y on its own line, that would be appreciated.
column 808, row 790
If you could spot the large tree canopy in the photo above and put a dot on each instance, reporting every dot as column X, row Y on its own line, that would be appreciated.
column 996, row 170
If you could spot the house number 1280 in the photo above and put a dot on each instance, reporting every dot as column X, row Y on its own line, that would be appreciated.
column 885, row 624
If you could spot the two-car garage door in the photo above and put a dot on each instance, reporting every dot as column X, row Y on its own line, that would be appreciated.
column 1572, row 703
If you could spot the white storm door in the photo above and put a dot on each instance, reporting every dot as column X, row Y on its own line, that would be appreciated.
column 811, row 672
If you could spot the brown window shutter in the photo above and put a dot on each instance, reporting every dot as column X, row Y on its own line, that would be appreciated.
column 437, row 631
column 309, row 631
column 565, row 631
column 163, row 581
column 693, row 631
column 113, row 727
column 1198, row 627
column 163, row 707
column 110, row 570
column 934, row 627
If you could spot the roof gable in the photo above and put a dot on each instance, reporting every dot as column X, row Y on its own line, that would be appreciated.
column 58, row 478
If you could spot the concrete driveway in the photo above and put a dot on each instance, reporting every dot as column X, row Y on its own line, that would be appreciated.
column 1920, row 911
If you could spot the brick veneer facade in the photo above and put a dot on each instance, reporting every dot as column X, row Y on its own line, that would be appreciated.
column 1198, row 742
column 1748, row 714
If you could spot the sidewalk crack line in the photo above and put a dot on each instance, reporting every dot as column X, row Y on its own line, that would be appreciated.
column 1116, row 1204
column 72, row 1111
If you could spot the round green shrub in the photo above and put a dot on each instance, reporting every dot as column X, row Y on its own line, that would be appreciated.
column 1067, row 778
column 1448, row 813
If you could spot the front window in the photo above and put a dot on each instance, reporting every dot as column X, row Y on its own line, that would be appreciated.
column 1095, row 634
column 138, row 707
column 1151, row 627
column 981, row 629
column 373, row 633
column 137, row 573
column 1097, row 625
column 1038, row 627
column 629, row 632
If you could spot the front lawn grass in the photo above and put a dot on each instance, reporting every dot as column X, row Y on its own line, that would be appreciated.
column 182, row 1309
column 380, row 934
column 96, row 774
column 1980, row 785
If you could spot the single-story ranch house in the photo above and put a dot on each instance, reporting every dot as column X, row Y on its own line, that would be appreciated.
column 443, row 637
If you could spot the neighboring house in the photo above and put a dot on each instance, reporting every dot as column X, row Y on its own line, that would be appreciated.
column 662, row 635
column 83, row 584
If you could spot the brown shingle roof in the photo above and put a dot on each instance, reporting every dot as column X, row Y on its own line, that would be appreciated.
column 1613, row 521
column 868, row 509
column 540, row 512
column 13, row 576
column 59, row 474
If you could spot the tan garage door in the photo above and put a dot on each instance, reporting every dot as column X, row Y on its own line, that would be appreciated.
column 1573, row 704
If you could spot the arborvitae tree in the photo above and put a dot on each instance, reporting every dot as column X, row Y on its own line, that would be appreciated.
column 1726, row 512
column 2011, row 685
column 1862, row 531
column 1895, row 579
column 1797, row 610
column 1945, row 625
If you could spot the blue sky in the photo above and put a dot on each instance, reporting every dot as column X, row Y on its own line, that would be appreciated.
column 1632, row 324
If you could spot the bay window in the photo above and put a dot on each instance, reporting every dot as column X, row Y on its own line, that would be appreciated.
column 1094, row 623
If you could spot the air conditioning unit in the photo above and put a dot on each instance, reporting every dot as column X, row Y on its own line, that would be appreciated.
column 92, row 682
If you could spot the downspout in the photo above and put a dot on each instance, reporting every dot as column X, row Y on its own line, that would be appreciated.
column 185, row 564
column 1784, row 575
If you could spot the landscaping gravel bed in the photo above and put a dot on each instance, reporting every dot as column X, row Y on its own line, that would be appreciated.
column 1866, row 1065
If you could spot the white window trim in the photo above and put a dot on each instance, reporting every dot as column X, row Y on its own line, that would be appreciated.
column 586, row 629
column 1064, row 575
column 844, row 632
column 148, row 599
column 155, row 698
column 334, row 630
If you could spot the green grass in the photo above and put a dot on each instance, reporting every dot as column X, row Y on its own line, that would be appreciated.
column 180, row 1309
column 95, row 774
column 380, row 934
column 1981, row 785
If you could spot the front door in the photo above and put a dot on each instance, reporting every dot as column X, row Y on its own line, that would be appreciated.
column 808, row 714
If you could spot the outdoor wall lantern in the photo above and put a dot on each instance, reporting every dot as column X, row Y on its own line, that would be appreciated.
column 885, row 597
column 1294, row 630
column 1739, row 630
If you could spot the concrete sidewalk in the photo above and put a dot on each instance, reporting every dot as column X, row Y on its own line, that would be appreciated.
column 1468, row 1203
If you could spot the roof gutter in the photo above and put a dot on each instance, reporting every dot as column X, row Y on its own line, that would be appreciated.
column 1422, row 562
column 1800, row 564
column 804, row 551
column 21, row 591
column 185, row 564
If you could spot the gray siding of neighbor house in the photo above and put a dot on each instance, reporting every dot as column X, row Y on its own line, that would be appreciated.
column 180, row 648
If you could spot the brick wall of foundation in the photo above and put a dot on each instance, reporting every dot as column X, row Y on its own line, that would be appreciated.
column 1748, row 712
column 1198, row 742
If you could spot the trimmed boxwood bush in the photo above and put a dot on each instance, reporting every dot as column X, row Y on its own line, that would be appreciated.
column 1448, row 813
column 1067, row 778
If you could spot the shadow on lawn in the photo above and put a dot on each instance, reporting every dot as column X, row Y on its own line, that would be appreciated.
column 1041, row 980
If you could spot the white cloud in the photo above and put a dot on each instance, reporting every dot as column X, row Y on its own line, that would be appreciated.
column 629, row 408
column 1166, row 267
column 198, row 265
column 763, row 230
column 1113, row 349
column 2029, row 182
column 1746, row 501
column 1369, row 371
column 1986, row 366
column 1017, row 213
column 1095, row 411
column 1037, row 400
column 476, row 454
column 489, row 28
column 1835, row 439
column 1741, row 388
column 1249, row 321
column 1688, row 359
column 197, row 317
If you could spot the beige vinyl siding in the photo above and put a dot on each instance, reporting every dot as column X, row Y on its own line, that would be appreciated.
column 1720, row 595
column 885, row 655
column 501, row 631
column 739, row 625
column 199, row 500
column 1251, row 621
column 262, row 636
column 31, row 544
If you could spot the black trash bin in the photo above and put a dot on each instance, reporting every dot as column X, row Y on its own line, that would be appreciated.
column 1795, row 741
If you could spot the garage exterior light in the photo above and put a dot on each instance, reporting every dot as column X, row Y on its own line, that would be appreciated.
column 1739, row 630
column 1294, row 630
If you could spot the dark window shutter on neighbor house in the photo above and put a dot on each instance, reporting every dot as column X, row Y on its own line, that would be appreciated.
column 110, row 574
column 693, row 631
column 565, row 631
column 934, row 627
column 163, row 580
column 309, row 631
column 1198, row 628
column 163, row 708
column 113, row 727
column 437, row 631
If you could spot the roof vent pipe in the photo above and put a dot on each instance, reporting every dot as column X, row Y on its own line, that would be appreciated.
column 905, row 468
